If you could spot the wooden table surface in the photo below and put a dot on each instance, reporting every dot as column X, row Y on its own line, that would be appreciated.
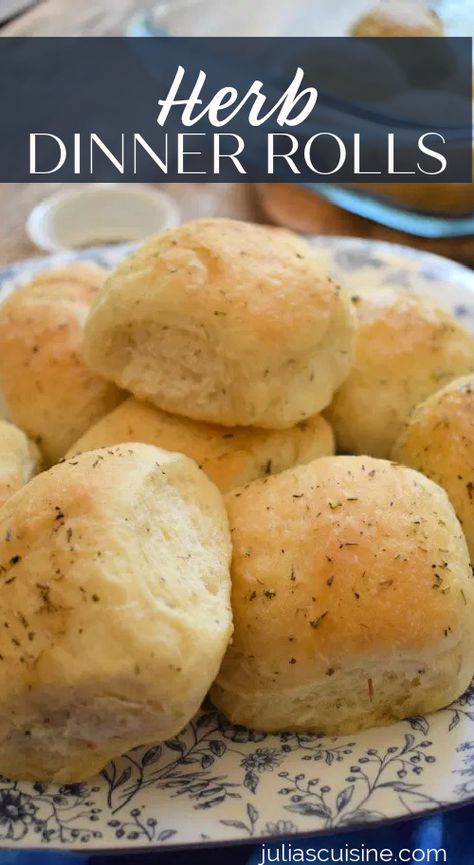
column 98, row 18
column 194, row 200
column 75, row 18
column 281, row 204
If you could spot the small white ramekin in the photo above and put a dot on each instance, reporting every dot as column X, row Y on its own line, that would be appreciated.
column 98, row 214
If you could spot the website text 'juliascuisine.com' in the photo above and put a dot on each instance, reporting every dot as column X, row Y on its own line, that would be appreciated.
column 288, row 853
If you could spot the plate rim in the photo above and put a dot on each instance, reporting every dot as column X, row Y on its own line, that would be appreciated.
column 256, row 841
column 330, row 241
column 386, row 245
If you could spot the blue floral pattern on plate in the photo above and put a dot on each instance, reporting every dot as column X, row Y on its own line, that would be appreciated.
column 219, row 782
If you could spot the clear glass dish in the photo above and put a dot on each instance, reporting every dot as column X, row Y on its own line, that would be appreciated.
column 427, row 210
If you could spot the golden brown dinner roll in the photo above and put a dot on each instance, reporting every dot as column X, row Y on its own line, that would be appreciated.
column 230, row 457
column 49, row 391
column 399, row 18
column 438, row 439
column 353, row 599
column 114, row 572
column 406, row 348
column 226, row 322
column 19, row 460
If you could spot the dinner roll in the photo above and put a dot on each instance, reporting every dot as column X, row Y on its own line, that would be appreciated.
column 399, row 18
column 226, row 322
column 230, row 457
column 114, row 572
column 438, row 439
column 353, row 599
column 406, row 348
column 19, row 460
column 49, row 391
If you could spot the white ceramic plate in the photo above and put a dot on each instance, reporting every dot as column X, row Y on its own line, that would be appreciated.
column 219, row 783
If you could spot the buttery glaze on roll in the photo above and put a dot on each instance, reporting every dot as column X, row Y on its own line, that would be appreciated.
column 48, row 390
column 353, row 599
column 225, row 322
column 114, row 603
column 19, row 460
column 230, row 457
column 438, row 440
column 406, row 348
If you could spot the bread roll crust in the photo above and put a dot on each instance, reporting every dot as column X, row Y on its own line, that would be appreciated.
column 352, row 597
column 399, row 18
column 115, row 594
column 225, row 322
column 230, row 458
column 438, row 440
column 406, row 348
column 19, row 460
column 49, row 391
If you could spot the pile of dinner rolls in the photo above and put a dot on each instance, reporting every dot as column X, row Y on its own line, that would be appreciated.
column 174, row 520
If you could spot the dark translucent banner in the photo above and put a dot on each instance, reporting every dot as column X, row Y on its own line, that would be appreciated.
column 236, row 110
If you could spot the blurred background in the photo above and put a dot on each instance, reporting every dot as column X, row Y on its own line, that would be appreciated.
column 438, row 218
column 29, row 213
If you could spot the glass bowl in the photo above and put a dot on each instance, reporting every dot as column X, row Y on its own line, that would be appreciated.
column 425, row 209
